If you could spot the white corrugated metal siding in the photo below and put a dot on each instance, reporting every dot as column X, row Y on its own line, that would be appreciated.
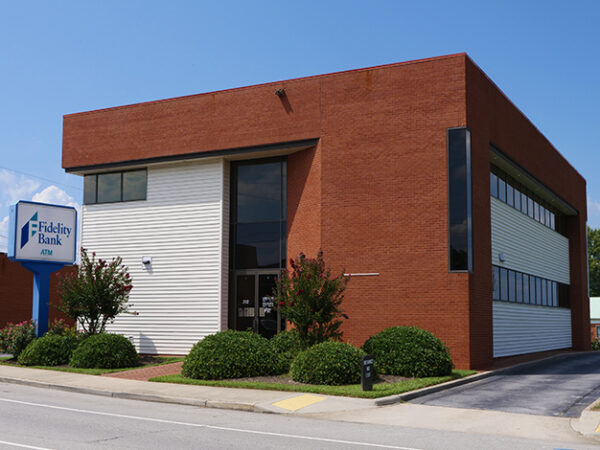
column 522, row 328
column 527, row 245
column 183, row 226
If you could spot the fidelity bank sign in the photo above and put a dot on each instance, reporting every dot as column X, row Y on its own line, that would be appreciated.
column 42, row 232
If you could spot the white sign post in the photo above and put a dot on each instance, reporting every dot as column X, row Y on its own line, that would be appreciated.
column 43, row 238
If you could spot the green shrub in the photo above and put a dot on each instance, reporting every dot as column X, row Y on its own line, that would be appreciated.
column 596, row 344
column 332, row 363
column 105, row 351
column 15, row 338
column 409, row 352
column 287, row 345
column 50, row 350
column 231, row 354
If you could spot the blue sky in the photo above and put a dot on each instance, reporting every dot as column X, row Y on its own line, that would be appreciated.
column 68, row 56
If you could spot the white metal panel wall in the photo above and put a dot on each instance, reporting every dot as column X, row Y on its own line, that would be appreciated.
column 527, row 245
column 522, row 328
column 181, row 226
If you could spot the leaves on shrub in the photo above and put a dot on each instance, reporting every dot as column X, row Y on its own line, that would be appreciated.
column 331, row 363
column 409, row 352
column 231, row 354
column 105, row 351
column 50, row 350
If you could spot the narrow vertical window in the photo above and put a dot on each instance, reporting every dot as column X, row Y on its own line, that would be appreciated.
column 503, row 284
column 530, row 207
column 510, row 195
column 493, row 185
column 519, row 287
column 517, row 199
column 523, row 203
column 501, row 189
column 511, row 286
column 459, row 199
column 525, row 288
column 496, row 282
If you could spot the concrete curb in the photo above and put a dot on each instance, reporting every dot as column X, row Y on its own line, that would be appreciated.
column 135, row 396
column 392, row 399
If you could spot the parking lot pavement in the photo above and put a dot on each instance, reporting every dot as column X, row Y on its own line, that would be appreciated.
column 559, row 387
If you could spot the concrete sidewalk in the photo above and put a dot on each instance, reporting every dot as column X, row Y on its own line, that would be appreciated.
column 315, row 405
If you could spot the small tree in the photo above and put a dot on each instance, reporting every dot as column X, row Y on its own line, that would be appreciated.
column 593, row 241
column 96, row 294
column 310, row 300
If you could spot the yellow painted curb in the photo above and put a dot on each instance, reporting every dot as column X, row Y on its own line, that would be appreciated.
column 299, row 402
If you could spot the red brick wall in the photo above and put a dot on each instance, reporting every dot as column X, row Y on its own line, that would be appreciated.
column 16, row 292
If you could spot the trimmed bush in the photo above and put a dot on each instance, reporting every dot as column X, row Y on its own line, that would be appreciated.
column 332, row 363
column 105, row 351
column 231, row 354
column 409, row 352
column 596, row 345
column 50, row 350
column 287, row 345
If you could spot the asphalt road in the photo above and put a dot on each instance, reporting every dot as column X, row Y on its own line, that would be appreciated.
column 560, row 387
column 38, row 418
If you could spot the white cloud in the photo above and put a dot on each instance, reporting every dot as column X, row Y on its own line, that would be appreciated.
column 14, row 187
column 56, row 195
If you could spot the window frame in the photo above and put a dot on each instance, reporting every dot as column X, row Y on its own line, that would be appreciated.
column 121, row 173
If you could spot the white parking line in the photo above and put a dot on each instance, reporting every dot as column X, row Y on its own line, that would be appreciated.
column 14, row 444
column 198, row 425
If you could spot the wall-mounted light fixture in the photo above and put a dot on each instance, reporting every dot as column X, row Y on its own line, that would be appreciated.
column 146, row 260
column 280, row 92
column 501, row 257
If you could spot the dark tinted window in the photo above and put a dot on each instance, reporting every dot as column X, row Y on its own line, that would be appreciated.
column 89, row 189
column 259, row 192
column 510, row 195
column 258, row 214
column 459, row 198
column 134, row 185
column 109, row 187
column 258, row 245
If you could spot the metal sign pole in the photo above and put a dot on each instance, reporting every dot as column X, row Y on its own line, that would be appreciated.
column 41, row 293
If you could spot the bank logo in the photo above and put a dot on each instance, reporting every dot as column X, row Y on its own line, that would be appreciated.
column 29, row 229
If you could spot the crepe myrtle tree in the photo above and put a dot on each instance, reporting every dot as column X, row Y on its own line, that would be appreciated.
column 96, row 294
column 310, row 299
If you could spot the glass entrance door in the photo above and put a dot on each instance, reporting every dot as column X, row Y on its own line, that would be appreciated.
column 255, row 303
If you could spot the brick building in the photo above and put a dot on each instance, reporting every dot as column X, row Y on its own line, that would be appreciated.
column 450, row 210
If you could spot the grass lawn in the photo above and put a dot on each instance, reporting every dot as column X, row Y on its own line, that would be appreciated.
column 164, row 360
column 4, row 358
column 352, row 390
